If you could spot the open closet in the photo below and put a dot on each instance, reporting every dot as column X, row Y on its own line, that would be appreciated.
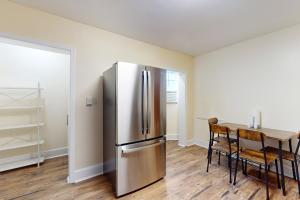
column 34, row 93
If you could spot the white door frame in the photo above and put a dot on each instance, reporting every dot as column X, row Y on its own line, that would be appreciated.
column 182, row 109
column 71, row 96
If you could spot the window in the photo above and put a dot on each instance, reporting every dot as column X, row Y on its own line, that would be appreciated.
column 172, row 86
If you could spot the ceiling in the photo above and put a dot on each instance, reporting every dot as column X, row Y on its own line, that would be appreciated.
column 190, row 26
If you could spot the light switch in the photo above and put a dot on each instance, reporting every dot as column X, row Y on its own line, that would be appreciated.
column 89, row 101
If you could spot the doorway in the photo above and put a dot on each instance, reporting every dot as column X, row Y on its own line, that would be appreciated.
column 34, row 103
column 176, row 107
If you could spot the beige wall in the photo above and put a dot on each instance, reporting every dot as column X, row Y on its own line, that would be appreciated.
column 22, row 66
column 96, row 50
column 172, row 119
column 261, row 73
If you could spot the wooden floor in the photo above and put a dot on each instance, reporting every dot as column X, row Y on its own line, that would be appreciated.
column 186, row 179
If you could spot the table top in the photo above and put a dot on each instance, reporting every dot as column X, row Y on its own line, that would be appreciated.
column 270, row 133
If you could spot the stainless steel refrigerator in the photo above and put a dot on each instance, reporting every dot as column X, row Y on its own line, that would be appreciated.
column 134, row 126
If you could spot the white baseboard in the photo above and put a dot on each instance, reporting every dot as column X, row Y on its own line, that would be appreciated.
column 15, row 158
column 172, row 136
column 182, row 145
column 186, row 143
column 201, row 143
column 88, row 172
column 54, row 153
column 190, row 142
column 195, row 142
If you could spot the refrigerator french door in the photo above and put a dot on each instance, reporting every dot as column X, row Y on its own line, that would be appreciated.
column 156, row 102
column 134, row 125
column 141, row 102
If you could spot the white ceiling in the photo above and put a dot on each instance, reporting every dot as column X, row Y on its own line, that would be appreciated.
column 190, row 26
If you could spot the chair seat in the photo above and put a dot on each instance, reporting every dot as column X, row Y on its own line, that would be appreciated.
column 224, row 139
column 224, row 147
column 257, row 156
column 285, row 154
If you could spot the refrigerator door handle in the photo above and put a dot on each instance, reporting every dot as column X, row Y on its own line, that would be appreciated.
column 149, row 103
column 132, row 150
column 144, row 102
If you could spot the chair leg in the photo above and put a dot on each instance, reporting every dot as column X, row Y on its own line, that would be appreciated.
column 282, row 178
column 246, row 164
column 209, row 154
column 293, row 169
column 267, row 182
column 209, row 158
column 208, row 151
column 259, row 173
column 243, row 167
column 235, row 170
column 229, row 159
column 297, row 173
column 277, row 174
column 219, row 159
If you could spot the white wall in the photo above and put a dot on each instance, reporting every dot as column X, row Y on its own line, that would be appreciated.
column 172, row 120
column 261, row 73
column 96, row 51
column 22, row 66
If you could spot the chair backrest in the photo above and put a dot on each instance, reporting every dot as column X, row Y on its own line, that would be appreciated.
column 250, row 135
column 213, row 121
column 219, row 129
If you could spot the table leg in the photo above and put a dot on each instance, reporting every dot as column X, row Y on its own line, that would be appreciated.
column 281, row 168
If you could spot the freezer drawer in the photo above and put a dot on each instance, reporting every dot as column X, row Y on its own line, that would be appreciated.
column 139, row 165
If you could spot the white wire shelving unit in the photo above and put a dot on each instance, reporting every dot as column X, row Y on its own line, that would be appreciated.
column 15, row 98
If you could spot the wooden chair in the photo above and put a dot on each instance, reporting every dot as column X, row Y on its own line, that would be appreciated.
column 213, row 138
column 260, row 157
column 291, row 156
column 217, row 138
column 224, row 145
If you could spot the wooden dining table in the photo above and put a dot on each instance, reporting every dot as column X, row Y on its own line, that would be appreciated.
column 279, row 135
